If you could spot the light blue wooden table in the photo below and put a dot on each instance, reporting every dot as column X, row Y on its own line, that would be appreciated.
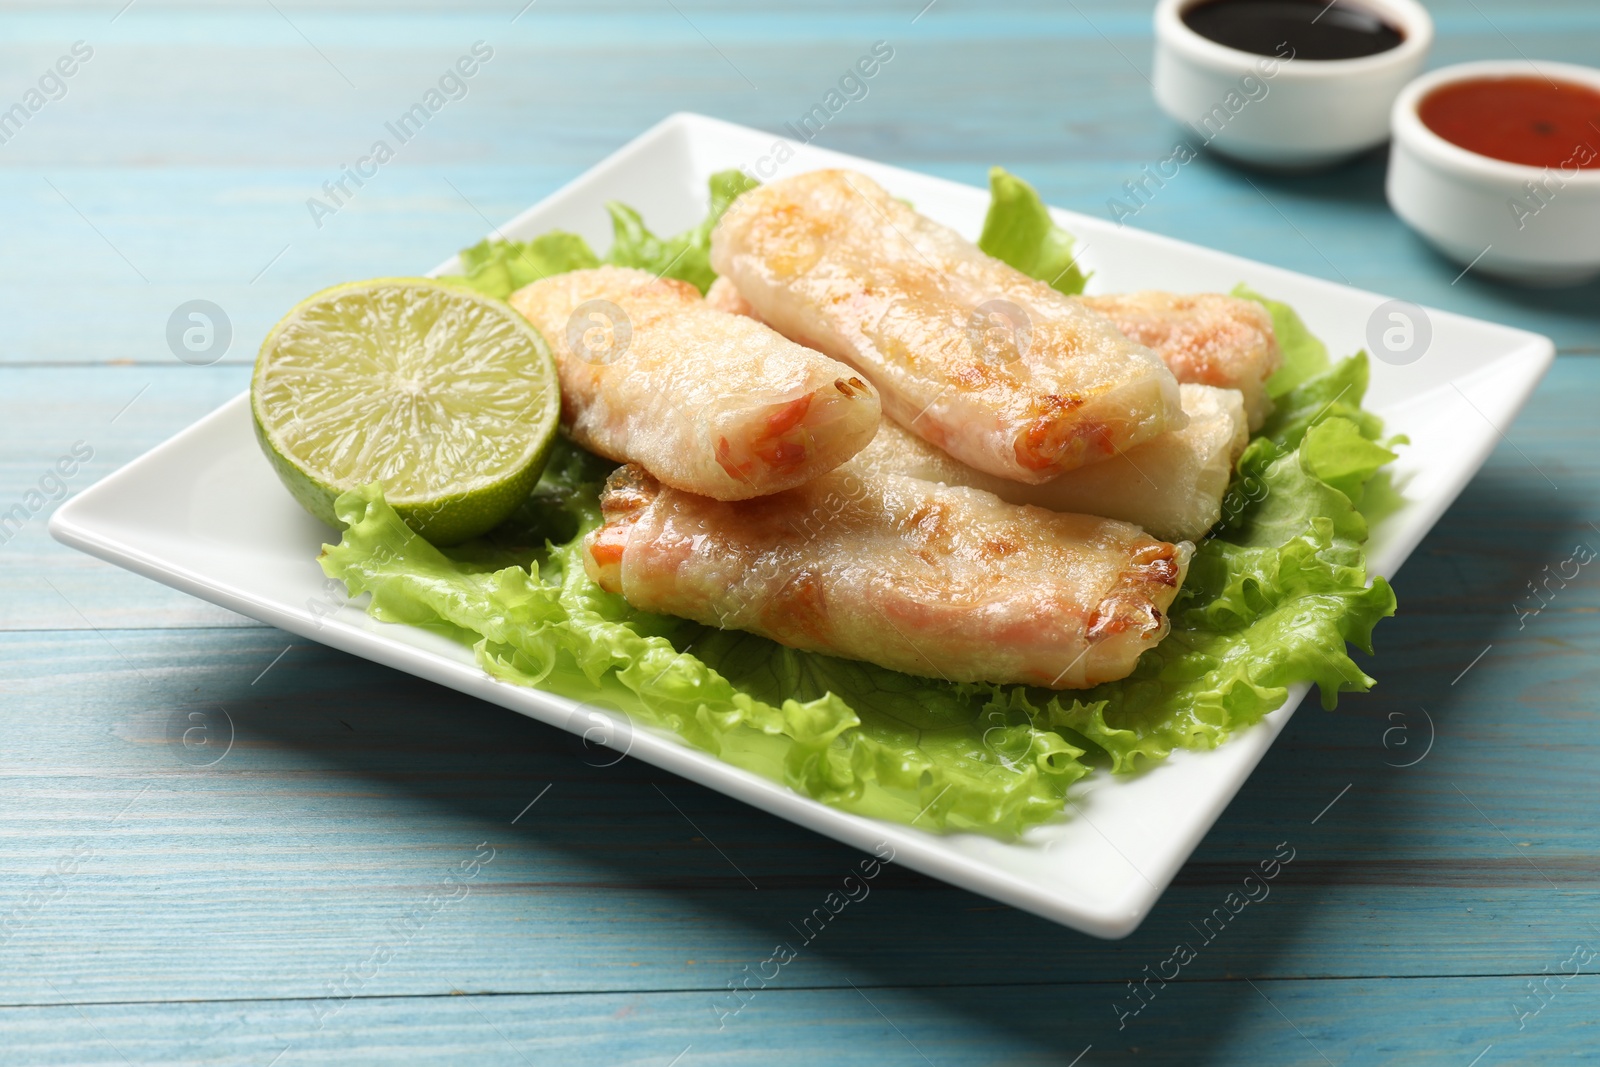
column 256, row 911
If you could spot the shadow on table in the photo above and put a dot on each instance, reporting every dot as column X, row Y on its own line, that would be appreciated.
column 1576, row 301
column 921, row 949
column 1356, row 182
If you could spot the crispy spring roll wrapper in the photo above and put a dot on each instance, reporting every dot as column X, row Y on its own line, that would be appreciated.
column 1172, row 486
column 724, row 296
column 708, row 402
column 1205, row 338
column 992, row 366
column 929, row 579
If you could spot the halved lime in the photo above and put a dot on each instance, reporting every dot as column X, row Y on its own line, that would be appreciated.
column 447, row 397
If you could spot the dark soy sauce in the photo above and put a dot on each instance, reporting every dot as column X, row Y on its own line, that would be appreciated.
column 1314, row 29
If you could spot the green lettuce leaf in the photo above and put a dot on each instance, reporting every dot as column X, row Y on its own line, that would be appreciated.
column 1274, row 596
column 500, row 268
column 938, row 755
column 1333, row 393
column 1303, row 355
column 1018, row 230
column 1338, row 451
column 687, row 256
column 1272, row 599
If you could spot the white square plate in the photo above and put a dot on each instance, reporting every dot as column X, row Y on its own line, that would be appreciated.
column 204, row 513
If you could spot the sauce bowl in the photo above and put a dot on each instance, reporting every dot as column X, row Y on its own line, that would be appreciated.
column 1538, row 226
column 1278, row 111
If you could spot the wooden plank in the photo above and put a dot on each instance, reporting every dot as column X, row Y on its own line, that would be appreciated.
column 238, row 164
column 351, row 790
column 113, row 414
column 1398, row 1022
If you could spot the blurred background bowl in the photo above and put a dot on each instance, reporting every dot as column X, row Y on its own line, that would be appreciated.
column 1286, row 114
column 1467, row 205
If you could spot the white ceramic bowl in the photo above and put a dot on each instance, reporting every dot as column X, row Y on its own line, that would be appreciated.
column 1482, row 211
column 1293, row 113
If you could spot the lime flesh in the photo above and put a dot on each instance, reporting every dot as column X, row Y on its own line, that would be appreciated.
column 447, row 397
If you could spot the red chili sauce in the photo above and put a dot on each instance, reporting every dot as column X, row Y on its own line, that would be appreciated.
column 1528, row 120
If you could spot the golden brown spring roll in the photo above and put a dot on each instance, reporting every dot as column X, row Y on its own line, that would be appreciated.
column 1172, row 486
column 708, row 402
column 911, row 575
column 994, row 367
column 1205, row 338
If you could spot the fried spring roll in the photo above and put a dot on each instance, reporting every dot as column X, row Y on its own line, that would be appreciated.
column 918, row 577
column 724, row 296
column 1205, row 338
column 708, row 402
column 1172, row 486
column 992, row 366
